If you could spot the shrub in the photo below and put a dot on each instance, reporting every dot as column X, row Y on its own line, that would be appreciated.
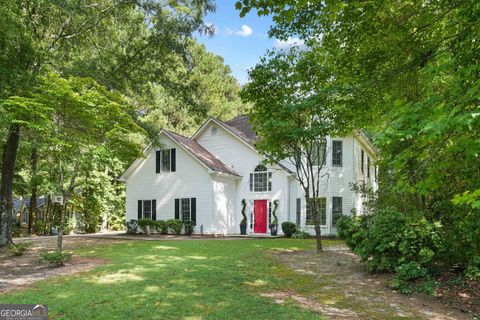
column 132, row 227
column 39, row 227
column 289, row 229
column 473, row 269
column 300, row 234
column 388, row 240
column 18, row 249
column 161, row 226
column 244, row 216
column 188, row 227
column 175, row 226
column 56, row 259
column 146, row 222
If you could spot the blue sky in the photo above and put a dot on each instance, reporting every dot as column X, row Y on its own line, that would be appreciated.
column 240, row 41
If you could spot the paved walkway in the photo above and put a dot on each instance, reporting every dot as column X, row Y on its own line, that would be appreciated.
column 121, row 235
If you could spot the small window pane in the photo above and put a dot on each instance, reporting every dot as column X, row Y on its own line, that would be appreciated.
column 166, row 160
column 147, row 209
column 337, row 210
column 185, row 208
column 337, row 153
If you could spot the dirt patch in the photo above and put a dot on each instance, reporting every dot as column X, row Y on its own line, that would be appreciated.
column 460, row 293
column 281, row 297
column 342, row 289
column 19, row 272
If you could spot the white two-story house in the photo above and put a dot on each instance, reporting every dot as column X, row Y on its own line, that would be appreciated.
column 204, row 178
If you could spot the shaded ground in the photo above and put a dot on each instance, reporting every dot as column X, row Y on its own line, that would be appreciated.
column 341, row 289
column 257, row 279
column 21, row 271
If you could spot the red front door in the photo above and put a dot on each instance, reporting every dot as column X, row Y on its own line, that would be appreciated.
column 260, row 211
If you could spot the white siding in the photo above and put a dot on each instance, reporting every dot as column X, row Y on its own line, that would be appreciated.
column 335, row 182
column 223, row 217
column 191, row 180
column 360, row 177
column 243, row 159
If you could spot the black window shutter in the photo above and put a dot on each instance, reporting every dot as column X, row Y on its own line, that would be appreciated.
column 177, row 208
column 157, row 161
column 251, row 181
column 139, row 209
column 173, row 164
column 154, row 209
column 193, row 210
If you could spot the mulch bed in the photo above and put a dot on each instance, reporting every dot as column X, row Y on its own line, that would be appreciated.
column 459, row 293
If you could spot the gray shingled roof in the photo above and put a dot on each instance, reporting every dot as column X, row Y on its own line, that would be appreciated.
column 202, row 154
column 242, row 127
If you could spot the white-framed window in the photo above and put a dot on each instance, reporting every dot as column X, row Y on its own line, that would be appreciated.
column 185, row 209
column 147, row 209
column 260, row 179
column 321, row 209
column 337, row 153
column 337, row 209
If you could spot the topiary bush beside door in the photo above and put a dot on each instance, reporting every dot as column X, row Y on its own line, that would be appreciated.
column 274, row 224
column 243, row 223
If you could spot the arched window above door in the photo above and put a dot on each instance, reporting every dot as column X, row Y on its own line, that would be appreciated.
column 260, row 179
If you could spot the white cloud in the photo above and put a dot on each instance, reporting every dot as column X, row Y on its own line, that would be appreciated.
column 289, row 43
column 246, row 31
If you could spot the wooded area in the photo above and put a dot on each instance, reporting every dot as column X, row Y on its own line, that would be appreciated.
column 408, row 71
column 85, row 86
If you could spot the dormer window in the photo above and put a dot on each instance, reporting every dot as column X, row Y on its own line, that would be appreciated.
column 260, row 179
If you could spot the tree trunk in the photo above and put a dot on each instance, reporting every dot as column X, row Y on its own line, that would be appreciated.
column 46, row 218
column 33, row 198
column 6, row 184
column 316, row 222
column 63, row 210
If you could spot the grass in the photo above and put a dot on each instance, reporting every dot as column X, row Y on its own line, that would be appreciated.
column 207, row 279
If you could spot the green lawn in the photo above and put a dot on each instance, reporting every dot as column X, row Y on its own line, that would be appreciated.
column 206, row 279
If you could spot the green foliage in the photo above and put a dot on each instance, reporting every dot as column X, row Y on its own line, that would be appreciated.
column 473, row 269
column 69, row 226
column 55, row 258
column 18, row 249
column 409, row 73
column 39, row 227
column 301, row 234
column 387, row 239
column 244, row 216
column 175, row 226
column 188, row 226
column 289, row 228
column 161, row 226
column 147, row 222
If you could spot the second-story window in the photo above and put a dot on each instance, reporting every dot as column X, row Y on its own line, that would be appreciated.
column 260, row 179
column 337, row 153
